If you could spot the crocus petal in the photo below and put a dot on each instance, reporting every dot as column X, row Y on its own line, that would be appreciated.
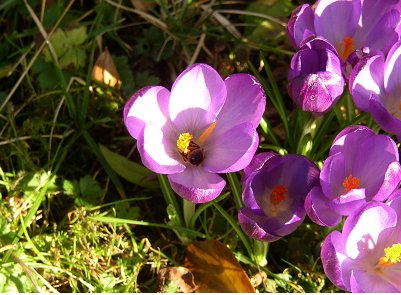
column 349, row 202
column 300, row 25
column 198, row 87
column 316, row 206
column 383, row 118
column 293, row 223
column 366, row 79
column 379, row 34
column 334, row 171
column 350, row 137
column 394, row 196
column 150, row 104
column 371, row 283
column 245, row 102
column 337, row 19
column 194, row 121
column 363, row 231
column 316, row 93
column 392, row 74
column 257, row 163
column 251, row 222
column 232, row 150
column 157, row 152
column 372, row 170
column 329, row 254
column 197, row 185
column 392, row 276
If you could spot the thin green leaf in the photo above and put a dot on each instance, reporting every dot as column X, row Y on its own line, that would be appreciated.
column 110, row 172
column 235, row 188
column 129, row 170
column 110, row 219
column 236, row 227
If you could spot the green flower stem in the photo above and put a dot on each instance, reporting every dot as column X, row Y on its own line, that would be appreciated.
column 260, row 249
column 170, row 198
column 235, row 188
column 234, row 224
column 268, row 130
column 202, row 208
column 188, row 210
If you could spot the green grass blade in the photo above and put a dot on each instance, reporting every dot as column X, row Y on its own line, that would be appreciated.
column 109, row 219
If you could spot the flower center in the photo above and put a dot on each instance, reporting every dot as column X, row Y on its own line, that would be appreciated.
column 190, row 150
column 278, row 194
column 350, row 183
column 183, row 142
column 345, row 47
column 392, row 255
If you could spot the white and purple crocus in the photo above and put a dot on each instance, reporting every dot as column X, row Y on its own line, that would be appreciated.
column 362, row 166
column 366, row 255
column 204, row 126
column 274, row 190
column 375, row 85
column 353, row 28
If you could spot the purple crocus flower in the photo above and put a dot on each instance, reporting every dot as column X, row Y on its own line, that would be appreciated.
column 362, row 167
column 274, row 190
column 204, row 126
column 315, row 80
column 375, row 85
column 347, row 24
column 366, row 256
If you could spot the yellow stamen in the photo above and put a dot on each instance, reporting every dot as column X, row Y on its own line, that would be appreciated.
column 399, row 107
column 350, row 183
column 206, row 133
column 278, row 194
column 183, row 142
column 392, row 255
column 345, row 47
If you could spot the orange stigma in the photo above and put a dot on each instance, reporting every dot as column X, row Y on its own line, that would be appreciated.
column 278, row 194
column 345, row 47
column 350, row 183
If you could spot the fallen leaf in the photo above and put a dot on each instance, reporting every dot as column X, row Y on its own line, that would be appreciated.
column 176, row 279
column 143, row 5
column 105, row 70
column 216, row 269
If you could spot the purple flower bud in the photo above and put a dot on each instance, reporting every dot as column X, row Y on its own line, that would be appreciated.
column 315, row 76
column 274, row 190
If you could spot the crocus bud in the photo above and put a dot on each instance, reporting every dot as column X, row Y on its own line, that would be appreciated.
column 315, row 80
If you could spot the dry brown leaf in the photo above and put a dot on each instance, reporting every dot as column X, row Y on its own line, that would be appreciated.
column 176, row 277
column 105, row 70
column 215, row 268
column 143, row 5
